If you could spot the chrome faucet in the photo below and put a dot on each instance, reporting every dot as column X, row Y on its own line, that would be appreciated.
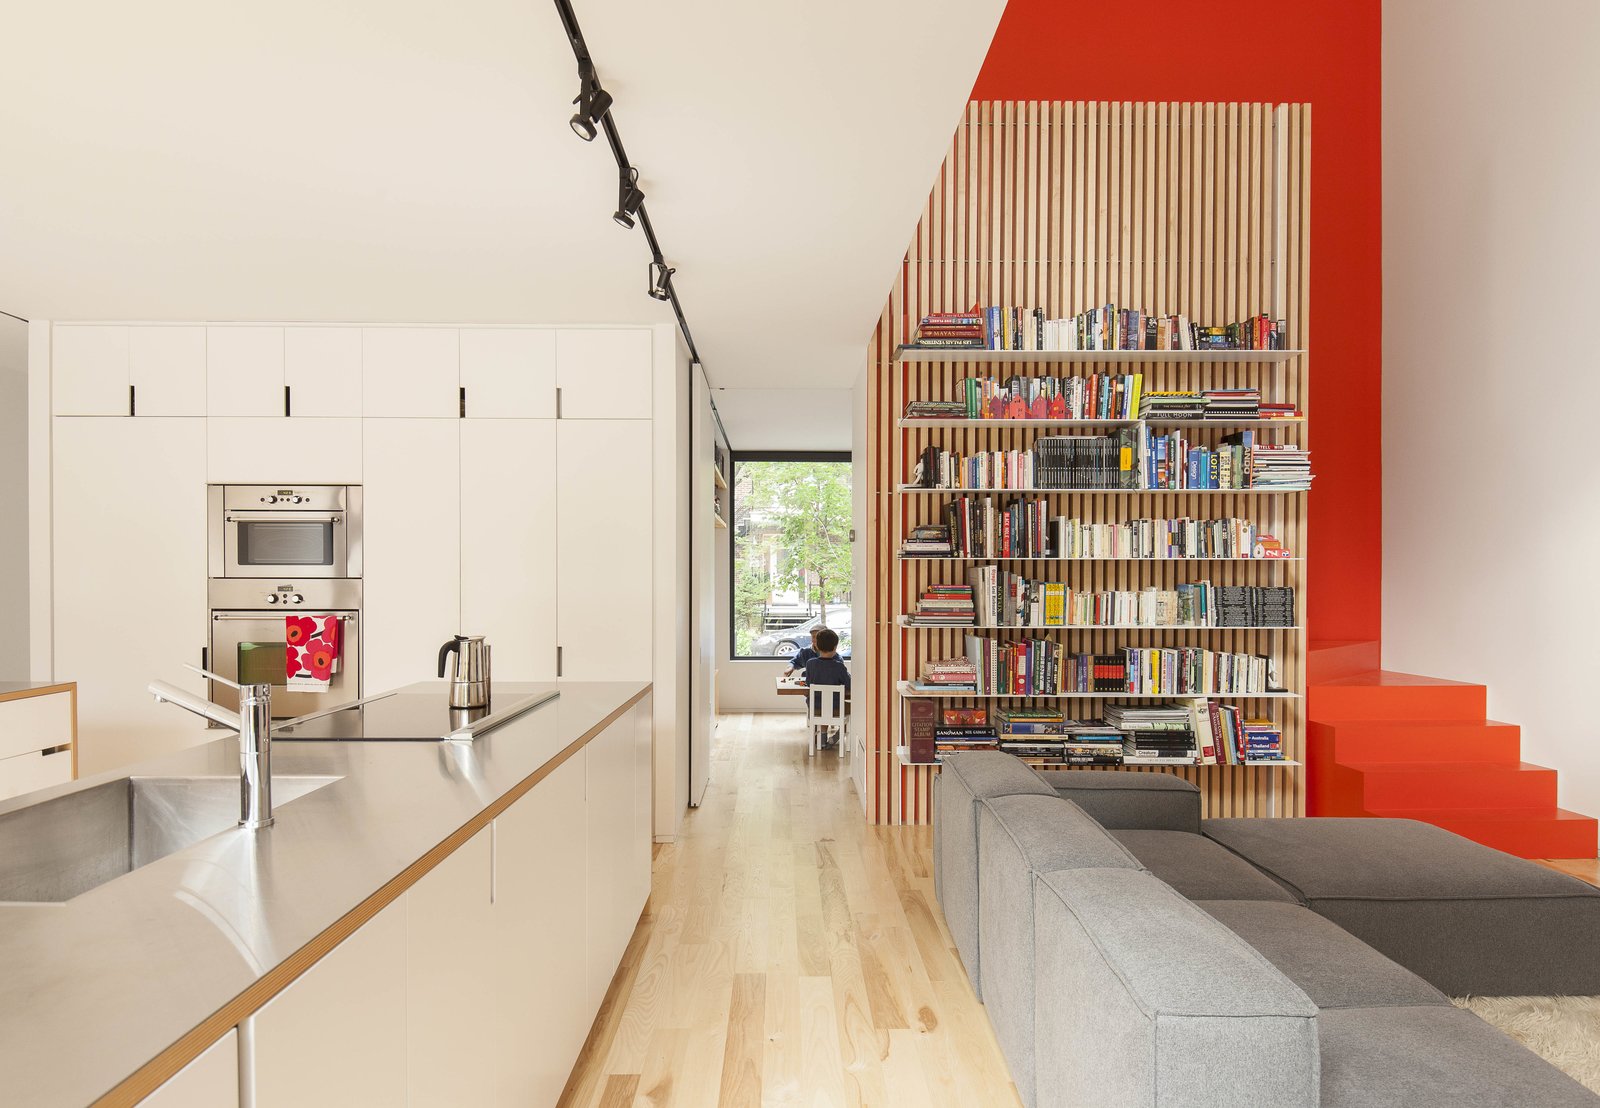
column 253, row 721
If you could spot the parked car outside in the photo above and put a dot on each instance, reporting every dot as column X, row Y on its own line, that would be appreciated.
column 786, row 644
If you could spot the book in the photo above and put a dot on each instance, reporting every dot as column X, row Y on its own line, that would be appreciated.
column 920, row 718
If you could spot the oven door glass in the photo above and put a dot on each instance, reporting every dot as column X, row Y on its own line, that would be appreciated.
column 249, row 647
column 272, row 544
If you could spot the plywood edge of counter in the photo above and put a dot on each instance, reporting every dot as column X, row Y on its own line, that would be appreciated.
column 41, row 690
column 154, row 1073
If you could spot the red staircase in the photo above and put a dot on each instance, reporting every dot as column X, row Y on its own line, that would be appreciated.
column 1395, row 744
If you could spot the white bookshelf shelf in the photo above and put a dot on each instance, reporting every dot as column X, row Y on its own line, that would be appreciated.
column 905, row 621
column 1091, row 561
column 946, row 354
column 1023, row 424
column 716, row 476
column 902, row 755
column 904, row 689
column 907, row 490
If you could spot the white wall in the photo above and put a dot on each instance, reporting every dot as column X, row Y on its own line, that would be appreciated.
column 1491, row 240
column 13, row 499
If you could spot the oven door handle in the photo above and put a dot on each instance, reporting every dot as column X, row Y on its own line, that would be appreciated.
column 219, row 617
column 283, row 517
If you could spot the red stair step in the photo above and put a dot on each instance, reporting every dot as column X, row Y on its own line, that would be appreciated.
column 1410, row 740
column 1329, row 660
column 1525, row 832
column 1454, row 785
column 1384, row 695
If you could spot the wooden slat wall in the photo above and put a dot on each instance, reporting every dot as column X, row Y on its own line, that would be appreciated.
column 1202, row 209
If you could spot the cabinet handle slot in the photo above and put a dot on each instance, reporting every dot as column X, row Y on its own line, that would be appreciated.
column 132, row 401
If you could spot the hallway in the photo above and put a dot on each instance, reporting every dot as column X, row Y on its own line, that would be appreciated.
column 790, row 954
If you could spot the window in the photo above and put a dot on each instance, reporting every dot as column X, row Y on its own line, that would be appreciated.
column 791, row 551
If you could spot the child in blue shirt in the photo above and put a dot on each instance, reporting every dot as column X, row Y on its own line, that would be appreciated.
column 803, row 655
column 827, row 669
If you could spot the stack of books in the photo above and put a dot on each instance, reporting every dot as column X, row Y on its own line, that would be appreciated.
column 1280, row 467
column 948, row 675
column 928, row 541
column 1195, row 671
column 1103, row 396
column 1172, row 405
column 1111, row 328
column 1262, row 741
column 936, row 409
column 1155, row 734
column 1092, row 743
column 1253, row 606
column 944, row 606
column 1031, row 732
column 962, row 729
column 1278, row 410
column 1233, row 404
column 960, row 330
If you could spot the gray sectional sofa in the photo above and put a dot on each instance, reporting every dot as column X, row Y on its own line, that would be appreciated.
column 1131, row 953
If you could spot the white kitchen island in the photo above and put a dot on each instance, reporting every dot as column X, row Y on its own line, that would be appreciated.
column 428, row 923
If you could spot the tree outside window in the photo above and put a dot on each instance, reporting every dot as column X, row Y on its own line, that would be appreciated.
column 791, row 552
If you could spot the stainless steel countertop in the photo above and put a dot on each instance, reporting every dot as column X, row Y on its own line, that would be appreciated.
column 94, row 988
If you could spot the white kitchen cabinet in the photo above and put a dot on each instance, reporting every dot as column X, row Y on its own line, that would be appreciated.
column 88, row 370
column 615, row 898
column 508, row 543
column 277, row 451
column 509, row 372
column 167, row 369
column 129, row 552
column 32, row 723
column 604, row 560
column 451, row 977
column 210, row 1081
column 541, row 1015
column 337, row 1034
column 244, row 371
column 411, row 547
column 604, row 374
column 38, row 769
column 410, row 372
column 322, row 370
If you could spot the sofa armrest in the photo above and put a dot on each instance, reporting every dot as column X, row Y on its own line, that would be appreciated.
column 1144, row 999
column 1127, row 801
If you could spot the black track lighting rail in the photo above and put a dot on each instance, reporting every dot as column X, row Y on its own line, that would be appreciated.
column 593, row 101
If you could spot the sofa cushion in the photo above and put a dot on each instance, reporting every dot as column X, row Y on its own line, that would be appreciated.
column 1144, row 999
column 1019, row 836
column 1336, row 969
column 1199, row 868
column 1127, row 800
column 965, row 781
column 1433, row 1057
column 1466, row 918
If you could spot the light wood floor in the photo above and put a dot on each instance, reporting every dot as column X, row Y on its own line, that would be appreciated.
column 790, row 955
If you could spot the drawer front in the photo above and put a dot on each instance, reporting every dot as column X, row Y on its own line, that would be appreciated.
column 35, row 723
column 27, row 772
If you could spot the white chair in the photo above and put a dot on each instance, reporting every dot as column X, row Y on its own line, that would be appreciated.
column 825, row 710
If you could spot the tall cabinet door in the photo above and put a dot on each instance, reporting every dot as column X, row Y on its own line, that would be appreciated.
column 508, row 543
column 603, row 556
column 130, row 579
column 411, row 546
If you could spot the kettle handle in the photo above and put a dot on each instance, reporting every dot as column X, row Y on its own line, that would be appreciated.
column 453, row 644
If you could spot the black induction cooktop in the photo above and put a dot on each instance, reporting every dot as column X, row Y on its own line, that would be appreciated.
column 413, row 716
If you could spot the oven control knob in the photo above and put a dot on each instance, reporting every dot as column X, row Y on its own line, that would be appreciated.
column 269, row 500
column 297, row 500
column 296, row 598
column 272, row 598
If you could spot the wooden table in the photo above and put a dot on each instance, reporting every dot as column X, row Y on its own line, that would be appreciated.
column 790, row 687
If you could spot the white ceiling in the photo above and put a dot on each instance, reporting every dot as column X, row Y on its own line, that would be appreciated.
column 786, row 419
column 383, row 160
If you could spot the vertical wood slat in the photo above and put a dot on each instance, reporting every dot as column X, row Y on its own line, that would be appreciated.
column 1201, row 209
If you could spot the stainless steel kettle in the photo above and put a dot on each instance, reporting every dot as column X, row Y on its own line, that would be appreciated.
column 469, row 679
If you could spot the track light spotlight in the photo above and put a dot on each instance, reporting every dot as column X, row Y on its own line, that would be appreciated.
column 661, row 280
column 629, row 197
column 593, row 103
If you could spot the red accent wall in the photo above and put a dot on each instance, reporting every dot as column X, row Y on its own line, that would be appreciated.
column 1322, row 52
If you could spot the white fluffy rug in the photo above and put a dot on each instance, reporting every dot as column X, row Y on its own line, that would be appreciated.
column 1563, row 1030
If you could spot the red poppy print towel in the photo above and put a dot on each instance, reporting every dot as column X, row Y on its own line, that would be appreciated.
column 311, row 654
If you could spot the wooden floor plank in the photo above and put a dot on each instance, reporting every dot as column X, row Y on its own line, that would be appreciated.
column 792, row 954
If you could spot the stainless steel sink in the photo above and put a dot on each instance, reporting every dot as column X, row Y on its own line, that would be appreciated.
column 54, row 850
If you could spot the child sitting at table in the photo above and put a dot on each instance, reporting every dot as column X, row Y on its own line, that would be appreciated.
column 803, row 655
column 827, row 668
